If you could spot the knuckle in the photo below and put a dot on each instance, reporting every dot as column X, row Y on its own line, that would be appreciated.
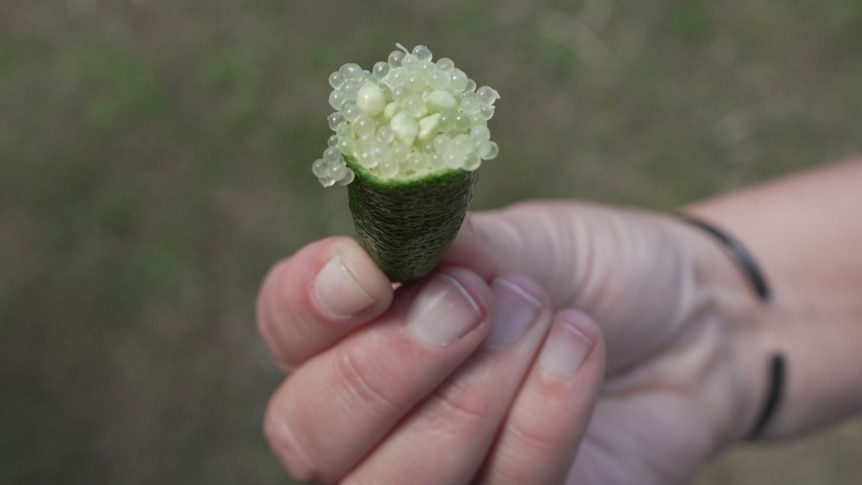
column 285, row 443
column 459, row 409
column 541, row 440
column 362, row 383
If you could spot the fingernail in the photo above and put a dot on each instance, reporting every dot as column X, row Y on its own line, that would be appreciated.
column 566, row 346
column 443, row 311
column 338, row 291
column 514, row 310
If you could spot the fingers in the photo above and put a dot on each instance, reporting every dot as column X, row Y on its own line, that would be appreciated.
column 446, row 438
column 549, row 417
column 314, row 298
column 334, row 408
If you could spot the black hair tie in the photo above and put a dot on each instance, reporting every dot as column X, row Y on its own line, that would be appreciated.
column 777, row 363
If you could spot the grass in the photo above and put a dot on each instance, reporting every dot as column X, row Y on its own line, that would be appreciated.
column 154, row 162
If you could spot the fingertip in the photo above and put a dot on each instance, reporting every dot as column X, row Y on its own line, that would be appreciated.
column 314, row 297
column 448, row 306
column 572, row 342
column 473, row 284
column 350, row 283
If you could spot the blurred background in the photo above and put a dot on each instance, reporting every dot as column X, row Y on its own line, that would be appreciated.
column 155, row 161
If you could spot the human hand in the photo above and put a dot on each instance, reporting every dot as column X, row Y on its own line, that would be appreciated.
column 378, row 396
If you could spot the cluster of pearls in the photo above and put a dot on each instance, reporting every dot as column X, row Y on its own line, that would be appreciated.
column 406, row 118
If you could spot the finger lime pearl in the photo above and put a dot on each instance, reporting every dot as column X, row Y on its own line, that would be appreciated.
column 406, row 118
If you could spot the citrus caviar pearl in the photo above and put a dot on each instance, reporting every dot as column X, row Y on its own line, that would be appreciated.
column 406, row 117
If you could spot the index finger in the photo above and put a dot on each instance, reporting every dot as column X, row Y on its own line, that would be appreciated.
column 312, row 299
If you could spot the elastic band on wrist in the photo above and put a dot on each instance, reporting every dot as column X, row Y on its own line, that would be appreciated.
column 739, row 254
column 750, row 269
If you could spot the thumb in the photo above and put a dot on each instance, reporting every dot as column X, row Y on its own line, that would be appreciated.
column 546, row 241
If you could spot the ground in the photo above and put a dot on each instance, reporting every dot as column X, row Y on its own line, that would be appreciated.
column 155, row 161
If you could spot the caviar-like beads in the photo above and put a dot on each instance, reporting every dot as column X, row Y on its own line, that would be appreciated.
column 407, row 117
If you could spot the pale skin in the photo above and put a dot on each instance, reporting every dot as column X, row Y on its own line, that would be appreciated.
column 561, row 342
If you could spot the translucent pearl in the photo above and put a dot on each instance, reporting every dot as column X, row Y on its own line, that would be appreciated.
column 480, row 133
column 410, row 62
column 426, row 68
column 332, row 141
column 453, row 159
column 490, row 151
column 336, row 79
column 350, row 89
column 415, row 82
column 471, row 86
column 436, row 161
column 338, row 172
column 476, row 119
column 447, row 122
column 380, row 150
column 445, row 64
column 422, row 53
column 462, row 144
column 471, row 162
column 419, row 163
column 487, row 112
column 326, row 181
column 336, row 99
column 348, row 178
column 458, row 80
column 487, row 95
column 388, row 169
column 344, row 131
column 438, row 80
column 334, row 120
column 462, row 122
column 320, row 168
column 366, row 158
column 332, row 156
column 381, row 69
column 351, row 112
column 352, row 72
column 385, row 134
column 397, row 78
column 345, row 146
column 395, row 58
column 363, row 125
column 400, row 93
column 470, row 105
column 442, row 143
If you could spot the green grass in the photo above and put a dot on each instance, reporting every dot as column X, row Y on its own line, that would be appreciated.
column 155, row 161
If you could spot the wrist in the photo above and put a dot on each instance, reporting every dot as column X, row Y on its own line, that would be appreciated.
column 735, row 293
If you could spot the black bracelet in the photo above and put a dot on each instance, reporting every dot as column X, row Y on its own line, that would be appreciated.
column 777, row 371
column 739, row 254
column 752, row 272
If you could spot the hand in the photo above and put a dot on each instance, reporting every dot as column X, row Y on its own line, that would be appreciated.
column 455, row 380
